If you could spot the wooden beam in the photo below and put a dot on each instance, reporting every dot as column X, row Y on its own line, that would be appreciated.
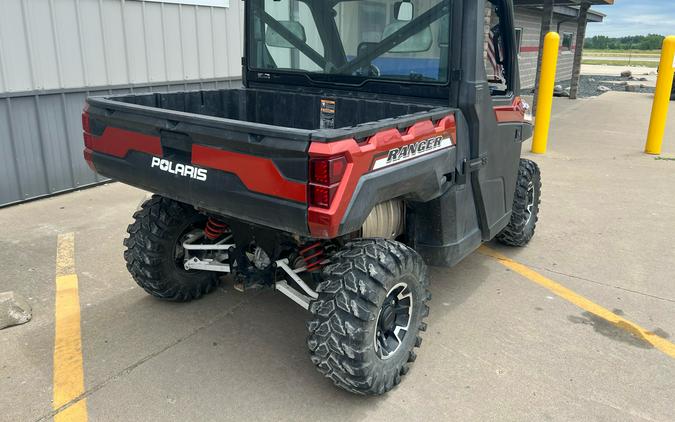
column 579, row 50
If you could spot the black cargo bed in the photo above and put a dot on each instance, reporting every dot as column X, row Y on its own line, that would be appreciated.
column 293, row 115
column 244, row 128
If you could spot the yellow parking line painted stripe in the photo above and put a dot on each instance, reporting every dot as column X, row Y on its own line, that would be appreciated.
column 68, row 367
column 658, row 342
column 65, row 254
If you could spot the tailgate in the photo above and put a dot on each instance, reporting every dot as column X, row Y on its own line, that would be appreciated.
column 256, row 173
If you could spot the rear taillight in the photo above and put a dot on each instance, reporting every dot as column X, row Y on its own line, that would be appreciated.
column 321, row 196
column 86, row 129
column 325, row 175
column 327, row 171
column 89, row 158
column 88, row 140
column 85, row 122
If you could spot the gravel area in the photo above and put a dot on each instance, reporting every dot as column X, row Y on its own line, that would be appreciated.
column 590, row 85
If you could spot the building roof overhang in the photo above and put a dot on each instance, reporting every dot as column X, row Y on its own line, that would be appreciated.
column 564, row 2
column 568, row 7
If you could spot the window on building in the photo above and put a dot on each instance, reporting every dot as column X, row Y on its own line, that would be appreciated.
column 567, row 40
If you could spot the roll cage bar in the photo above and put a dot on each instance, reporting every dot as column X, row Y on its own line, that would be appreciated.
column 289, row 36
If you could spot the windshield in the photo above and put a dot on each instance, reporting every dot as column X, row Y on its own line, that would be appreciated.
column 373, row 39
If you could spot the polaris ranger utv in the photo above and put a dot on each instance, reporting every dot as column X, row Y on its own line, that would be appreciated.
column 369, row 139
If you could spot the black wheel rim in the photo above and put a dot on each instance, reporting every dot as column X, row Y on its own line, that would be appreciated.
column 393, row 321
column 530, row 202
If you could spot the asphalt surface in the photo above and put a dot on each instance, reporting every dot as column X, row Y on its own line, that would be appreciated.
column 499, row 347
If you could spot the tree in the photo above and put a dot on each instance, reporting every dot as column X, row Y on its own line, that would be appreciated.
column 633, row 42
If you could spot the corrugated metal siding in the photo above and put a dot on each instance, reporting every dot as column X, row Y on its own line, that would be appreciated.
column 56, row 44
column 41, row 140
column 53, row 53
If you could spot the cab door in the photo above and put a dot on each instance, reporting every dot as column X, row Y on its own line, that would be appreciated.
column 495, row 113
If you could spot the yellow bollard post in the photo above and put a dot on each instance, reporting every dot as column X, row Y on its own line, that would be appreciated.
column 664, row 83
column 549, row 63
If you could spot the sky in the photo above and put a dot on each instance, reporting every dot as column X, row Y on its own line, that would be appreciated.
column 635, row 17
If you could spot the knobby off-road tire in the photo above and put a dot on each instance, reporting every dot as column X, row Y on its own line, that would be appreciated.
column 346, row 316
column 152, row 247
column 525, row 206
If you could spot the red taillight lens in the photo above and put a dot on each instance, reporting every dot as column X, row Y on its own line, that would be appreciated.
column 327, row 171
column 88, row 140
column 85, row 122
column 321, row 196
column 88, row 157
column 325, row 175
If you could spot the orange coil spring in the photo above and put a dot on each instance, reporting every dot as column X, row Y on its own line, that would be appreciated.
column 214, row 228
column 313, row 254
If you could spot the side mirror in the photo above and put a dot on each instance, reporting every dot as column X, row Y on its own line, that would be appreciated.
column 404, row 11
column 274, row 39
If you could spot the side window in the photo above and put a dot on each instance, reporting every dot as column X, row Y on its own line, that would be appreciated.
column 422, row 57
column 367, row 23
column 519, row 39
column 496, row 55
column 297, row 18
column 567, row 40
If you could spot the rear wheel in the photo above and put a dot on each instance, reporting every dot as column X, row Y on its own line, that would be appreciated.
column 368, row 316
column 155, row 255
column 525, row 206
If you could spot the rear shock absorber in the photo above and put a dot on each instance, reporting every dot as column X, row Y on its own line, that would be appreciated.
column 214, row 228
column 313, row 254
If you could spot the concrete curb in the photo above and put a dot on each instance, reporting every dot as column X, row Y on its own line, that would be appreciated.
column 14, row 310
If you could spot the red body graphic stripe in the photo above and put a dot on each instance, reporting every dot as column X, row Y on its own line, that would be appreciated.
column 325, row 223
column 258, row 174
column 118, row 142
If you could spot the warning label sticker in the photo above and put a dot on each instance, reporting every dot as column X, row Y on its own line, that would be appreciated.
column 327, row 114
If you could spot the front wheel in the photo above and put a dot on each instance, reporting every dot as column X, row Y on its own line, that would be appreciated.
column 368, row 316
column 525, row 211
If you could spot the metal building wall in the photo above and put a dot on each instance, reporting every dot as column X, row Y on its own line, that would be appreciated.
column 530, row 22
column 53, row 53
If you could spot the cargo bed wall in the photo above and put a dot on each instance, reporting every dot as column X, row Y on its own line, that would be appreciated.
column 279, row 108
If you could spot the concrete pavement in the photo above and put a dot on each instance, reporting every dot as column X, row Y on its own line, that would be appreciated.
column 499, row 347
